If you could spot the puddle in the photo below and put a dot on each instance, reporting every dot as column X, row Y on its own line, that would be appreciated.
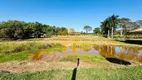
column 118, row 52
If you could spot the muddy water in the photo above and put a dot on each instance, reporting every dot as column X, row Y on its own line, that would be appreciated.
column 118, row 52
column 123, row 53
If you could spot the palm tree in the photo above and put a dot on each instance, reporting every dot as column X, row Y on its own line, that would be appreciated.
column 109, row 25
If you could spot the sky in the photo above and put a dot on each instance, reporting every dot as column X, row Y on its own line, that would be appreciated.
column 69, row 13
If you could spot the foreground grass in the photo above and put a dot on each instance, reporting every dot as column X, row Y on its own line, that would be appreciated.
column 126, row 73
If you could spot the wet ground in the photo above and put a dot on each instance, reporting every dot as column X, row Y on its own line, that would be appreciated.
column 130, row 54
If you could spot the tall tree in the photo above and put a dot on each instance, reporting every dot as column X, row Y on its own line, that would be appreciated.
column 123, row 22
column 139, row 22
column 126, row 25
column 109, row 25
column 87, row 28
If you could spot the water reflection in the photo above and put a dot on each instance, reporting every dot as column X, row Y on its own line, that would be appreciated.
column 123, row 53
column 118, row 52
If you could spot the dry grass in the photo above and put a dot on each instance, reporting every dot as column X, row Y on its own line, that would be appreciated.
column 23, row 66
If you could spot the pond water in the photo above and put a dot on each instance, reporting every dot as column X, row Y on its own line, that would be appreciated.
column 118, row 52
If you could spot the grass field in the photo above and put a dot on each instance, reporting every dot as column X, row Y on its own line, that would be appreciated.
column 127, row 73
column 20, row 60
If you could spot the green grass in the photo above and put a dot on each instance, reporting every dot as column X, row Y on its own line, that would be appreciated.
column 14, row 56
column 24, row 55
column 90, row 58
column 10, row 47
column 126, row 73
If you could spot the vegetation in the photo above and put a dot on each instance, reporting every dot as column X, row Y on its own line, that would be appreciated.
column 19, row 47
column 118, row 26
column 14, row 29
column 87, row 28
column 126, row 73
column 71, row 31
column 34, row 48
column 109, row 25
column 37, row 45
column 139, row 23
column 22, row 51
column 89, row 58
column 126, row 25
column 97, row 31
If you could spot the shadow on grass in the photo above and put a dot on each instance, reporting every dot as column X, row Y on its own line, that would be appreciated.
column 74, row 74
column 75, row 70
column 133, row 41
column 118, row 61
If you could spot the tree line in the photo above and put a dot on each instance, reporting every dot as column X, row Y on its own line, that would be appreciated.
column 114, row 25
column 119, row 26
column 14, row 29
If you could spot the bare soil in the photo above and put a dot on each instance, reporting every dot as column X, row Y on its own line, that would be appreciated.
column 23, row 66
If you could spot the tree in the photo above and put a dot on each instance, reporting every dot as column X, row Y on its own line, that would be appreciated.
column 28, row 30
column 123, row 24
column 139, row 22
column 71, row 31
column 37, row 30
column 62, row 31
column 14, row 29
column 109, row 25
column 126, row 25
column 87, row 28
column 97, row 31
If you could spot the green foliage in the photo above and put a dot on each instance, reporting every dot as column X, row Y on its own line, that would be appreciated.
column 108, row 23
column 87, row 28
column 62, row 31
column 14, row 29
column 97, row 31
column 127, row 25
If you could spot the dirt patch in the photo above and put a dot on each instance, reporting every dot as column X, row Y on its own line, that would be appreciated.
column 23, row 66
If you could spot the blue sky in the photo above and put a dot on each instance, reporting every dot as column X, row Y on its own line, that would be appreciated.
column 69, row 13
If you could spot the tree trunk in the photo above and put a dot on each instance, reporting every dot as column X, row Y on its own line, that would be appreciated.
column 112, row 33
column 121, row 31
column 108, row 34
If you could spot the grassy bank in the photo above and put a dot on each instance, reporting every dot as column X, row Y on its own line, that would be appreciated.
column 22, row 51
column 126, row 73
column 11, row 47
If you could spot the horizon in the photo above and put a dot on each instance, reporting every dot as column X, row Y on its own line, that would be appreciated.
column 69, row 13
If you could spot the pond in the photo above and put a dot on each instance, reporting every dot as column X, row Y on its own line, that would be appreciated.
column 116, row 52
